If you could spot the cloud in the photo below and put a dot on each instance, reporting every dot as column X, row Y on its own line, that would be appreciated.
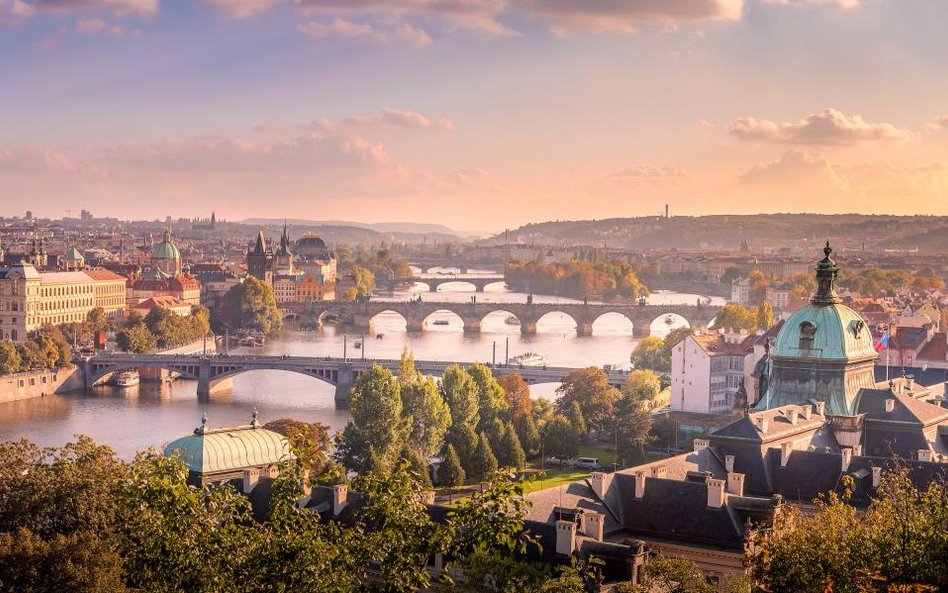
column 840, row 3
column 627, row 16
column 139, row 7
column 389, row 117
column 830, row 127
column 469, row 180
column 937, row 124
column 796, row 170
column 96, row 26
column 403, row 34
column 645, row 176
column 15, row 10
column 479, row 15
column 241, row 9
column 36, row 161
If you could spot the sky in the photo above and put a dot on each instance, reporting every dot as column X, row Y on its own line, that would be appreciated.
column 476, row 114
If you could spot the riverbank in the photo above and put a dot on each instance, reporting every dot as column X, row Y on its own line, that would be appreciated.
column 40, row 383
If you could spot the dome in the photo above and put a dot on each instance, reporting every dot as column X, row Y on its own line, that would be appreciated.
column 166, row 249
column 827, row 332
column 228, row 449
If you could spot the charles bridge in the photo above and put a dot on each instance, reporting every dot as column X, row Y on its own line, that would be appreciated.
column 433, row 282
column 214, row 373
column 417, row 312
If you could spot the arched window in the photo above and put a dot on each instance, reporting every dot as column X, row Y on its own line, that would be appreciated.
column 807, row 334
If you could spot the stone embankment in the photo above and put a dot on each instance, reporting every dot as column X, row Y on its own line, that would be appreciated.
column 39, row 383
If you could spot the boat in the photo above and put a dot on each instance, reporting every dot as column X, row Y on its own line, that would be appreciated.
column 529, row 359
column 441, row 322
column 126, row 379
column 357, row 344
column 669, row 320
column 511, row 320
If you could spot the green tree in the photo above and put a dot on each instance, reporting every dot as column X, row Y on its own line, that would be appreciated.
column 492, row 400
column 764, row 316
column 527, row 433
column 517, row 393
column 98, row 320
column 509, row 451
column 465, row 441
column 649, row 354
column 575, row 416
column 251, row 305
column 136, row 338
column 461, row 393
column 426, row 414
column 560, row 438
column 590, row 388
column 734, row 317
column 407, row 373
column 633, row 424
column 542, row 411
column 376, row 406
column 450, row 472
column 10, row 359
column 642, row 385
column 484, row 463
column 668, row 574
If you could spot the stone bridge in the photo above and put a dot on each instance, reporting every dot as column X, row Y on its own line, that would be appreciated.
column 213, row 373
column 425, row 265
column 433, row 282
column 416, row 313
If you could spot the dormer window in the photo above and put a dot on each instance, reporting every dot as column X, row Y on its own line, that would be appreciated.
column 807, row 334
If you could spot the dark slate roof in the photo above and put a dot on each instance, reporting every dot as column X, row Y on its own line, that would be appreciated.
column 573, row 495
column 678, row 511
column 747, row 461
column 921, row 473
column 779, row 425
column 926, row 377
column 907, row 409
column 806, row 475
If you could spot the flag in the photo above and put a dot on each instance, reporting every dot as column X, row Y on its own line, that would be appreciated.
column 883, row 341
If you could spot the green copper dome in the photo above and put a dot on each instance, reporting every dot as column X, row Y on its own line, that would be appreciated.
column 166, row 249
column 828, row 332
column 227, row 449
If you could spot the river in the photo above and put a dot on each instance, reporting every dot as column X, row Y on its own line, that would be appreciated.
column 150, row 414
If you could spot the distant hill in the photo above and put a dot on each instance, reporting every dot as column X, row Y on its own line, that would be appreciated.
column 775, row 231
column 383, row 227
column 334, row 231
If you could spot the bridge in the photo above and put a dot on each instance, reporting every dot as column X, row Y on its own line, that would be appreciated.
column 416, row 313
column 433, row 282
column 214, row 373
column 427, row 264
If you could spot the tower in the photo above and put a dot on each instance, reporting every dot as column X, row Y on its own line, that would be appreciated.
column 283, row 258
column 260, row 260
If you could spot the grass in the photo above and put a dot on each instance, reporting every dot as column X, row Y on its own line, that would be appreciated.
column 555, row 476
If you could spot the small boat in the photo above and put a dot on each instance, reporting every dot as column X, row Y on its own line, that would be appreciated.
column 379, row 336
column 669, row 320
column 357, row 344
column 529, row 359
column 126, row 379
column 511, row 320
column 441, row 322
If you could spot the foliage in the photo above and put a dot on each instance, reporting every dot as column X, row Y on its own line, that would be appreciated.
column 666, row 574
column 517, row 392
column 450, row 472
column 765, row 316
column 10, row 359
column 461, row 393
column 465, row 442
column 171, row 330
column 734, row 317
column 426, row 414
column 136, row 338
column 590, row 388
column 509, row 450
column 251, row 305
column 632, row 423
column 542, row 411
column 79, row 562
column 642, row 385
column 575, row 416
column 376, row 424
column 311, row 445
column 609, row 279
column 484, row 462
column 407, row 373
column 649, row 354
column 560, row 438
column 527, row 433
column 491, row 398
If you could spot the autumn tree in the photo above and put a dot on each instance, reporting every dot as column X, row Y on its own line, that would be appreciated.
column 649, row 354
column 642, row 385
column 590, row 388
column 517, row 392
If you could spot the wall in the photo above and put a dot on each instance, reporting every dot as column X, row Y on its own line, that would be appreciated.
column 39, row 383
column 691, row 372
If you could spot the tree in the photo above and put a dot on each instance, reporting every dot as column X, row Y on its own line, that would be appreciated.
column 310, row 443
column 668, row 574
column 461, row 393
column 136, row 338
column 542, row 411
column 510, row 452
column 673, row 338
column 484, row 463
column 590, row 388
column 517, row 393
column 376, row 406
column 734, row 317
column 426, row 414
column 633, row 424
column 642, row 385
column 465, row 442
column 560, row 438
column 649, row 354
column 450, row 472
column 492, row 400
column 527, row 433
column 251, row 305
column 98, row 320
column 575, row 416
column 765, row 316
column 10, row 359
column 407, row 373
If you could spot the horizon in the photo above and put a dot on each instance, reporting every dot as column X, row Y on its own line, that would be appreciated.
column 444, row 111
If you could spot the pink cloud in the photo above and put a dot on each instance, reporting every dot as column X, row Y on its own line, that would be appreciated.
column 389, row 117
column 403, row 34
column 627, row 16
column 828, row 127
column 241, row 9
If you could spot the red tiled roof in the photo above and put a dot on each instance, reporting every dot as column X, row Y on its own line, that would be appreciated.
column 935, row 350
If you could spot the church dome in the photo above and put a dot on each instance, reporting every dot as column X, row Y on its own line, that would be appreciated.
column 825, row 329
column 166, row 249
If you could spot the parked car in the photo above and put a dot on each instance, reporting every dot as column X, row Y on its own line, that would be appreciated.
column 587, row 462
column 554, row 460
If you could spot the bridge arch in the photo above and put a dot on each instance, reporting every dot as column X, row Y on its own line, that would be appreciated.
column 556, row 321
column 622, row 324
column 501, row 321
column 468, row 286
column 666, row 322
column 499, row 286
column 100, row 372
column 389, row 319
column 438, row 317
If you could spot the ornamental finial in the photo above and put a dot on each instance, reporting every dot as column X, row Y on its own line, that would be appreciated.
column 827, row 250
column 203, row 428
column 255, row 422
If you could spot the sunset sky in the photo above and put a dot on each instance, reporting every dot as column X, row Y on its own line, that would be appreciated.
column 478, row 114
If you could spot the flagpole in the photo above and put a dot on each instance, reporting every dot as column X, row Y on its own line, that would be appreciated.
column 888, row 339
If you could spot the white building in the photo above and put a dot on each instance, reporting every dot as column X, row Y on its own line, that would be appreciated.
column 741, row 291
column 707, row 371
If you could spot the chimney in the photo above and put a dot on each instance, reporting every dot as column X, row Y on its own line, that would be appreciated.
column 659, row 471
column 847, row 455
column 925, row 455
column 592, row 524
column 273, row 471
column 762, row 423
column 600, row 482
column 820, row 408
column 339, row 494
column 729, row 463
column 792, row 416
column 251, row 477
column 700, row 444
column 910, row 382
column 806, row 412
column 890, row 405
column 735, row 484
column 785, row 450
column 639, row 484
column 716, row 496
column 857, row 450
column 876, row 476
column 565, row 537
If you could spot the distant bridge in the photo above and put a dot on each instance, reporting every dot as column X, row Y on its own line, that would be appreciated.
column 416, row 313
column 213, row 373
column 425, row 265
column 433, row 282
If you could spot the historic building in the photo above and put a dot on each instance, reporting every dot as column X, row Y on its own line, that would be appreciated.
column 260, row 260
column 165, row 276
column 708, row 370
column 302, row 272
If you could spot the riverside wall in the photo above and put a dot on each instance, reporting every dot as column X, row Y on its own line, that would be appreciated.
column 39, row 383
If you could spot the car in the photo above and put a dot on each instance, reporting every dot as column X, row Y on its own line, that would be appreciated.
column 554, row 460
column 587, row 462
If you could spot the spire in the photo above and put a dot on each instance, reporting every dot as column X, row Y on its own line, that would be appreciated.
column 203, row 428
column 255, row 422
column 826, row 271
column 261, row 245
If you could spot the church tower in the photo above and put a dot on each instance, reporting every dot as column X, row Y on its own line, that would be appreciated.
column 260, row 260
column 283, row 258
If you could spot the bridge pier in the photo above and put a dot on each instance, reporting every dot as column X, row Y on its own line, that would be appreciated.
column 584, row 329
column 528, row 328
column 472, row 326
column 361, row 321
column 415, row 325
column 344, row 385
column 641, row 330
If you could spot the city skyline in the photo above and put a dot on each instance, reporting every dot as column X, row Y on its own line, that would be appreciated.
column 441, row 111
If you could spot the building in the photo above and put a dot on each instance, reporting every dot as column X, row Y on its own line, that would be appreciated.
column 298, row 273
column 237, row 453
column 168, row 303
column 109, row 292
column 708, row 371
column 741, row 291
column 779, row 296
column 165, row 276
column 260, row 260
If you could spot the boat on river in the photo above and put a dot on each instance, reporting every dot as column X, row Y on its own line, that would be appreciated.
column 529, row 359
column 126, row 379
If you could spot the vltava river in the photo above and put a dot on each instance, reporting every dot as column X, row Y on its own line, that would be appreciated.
column 150, row 414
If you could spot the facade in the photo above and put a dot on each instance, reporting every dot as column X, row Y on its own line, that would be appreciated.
column 165, row 277
column 708, row 371
column 741, row 291
column 298, row 273
column 260, row 260
column 778, row 296
column 108, row 292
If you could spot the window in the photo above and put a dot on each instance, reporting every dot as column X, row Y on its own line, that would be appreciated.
column 807, row 334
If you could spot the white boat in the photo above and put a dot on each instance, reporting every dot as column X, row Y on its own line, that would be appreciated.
column 511, row 320
column 441, row 322
column 529, row 359
column 126, row 379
